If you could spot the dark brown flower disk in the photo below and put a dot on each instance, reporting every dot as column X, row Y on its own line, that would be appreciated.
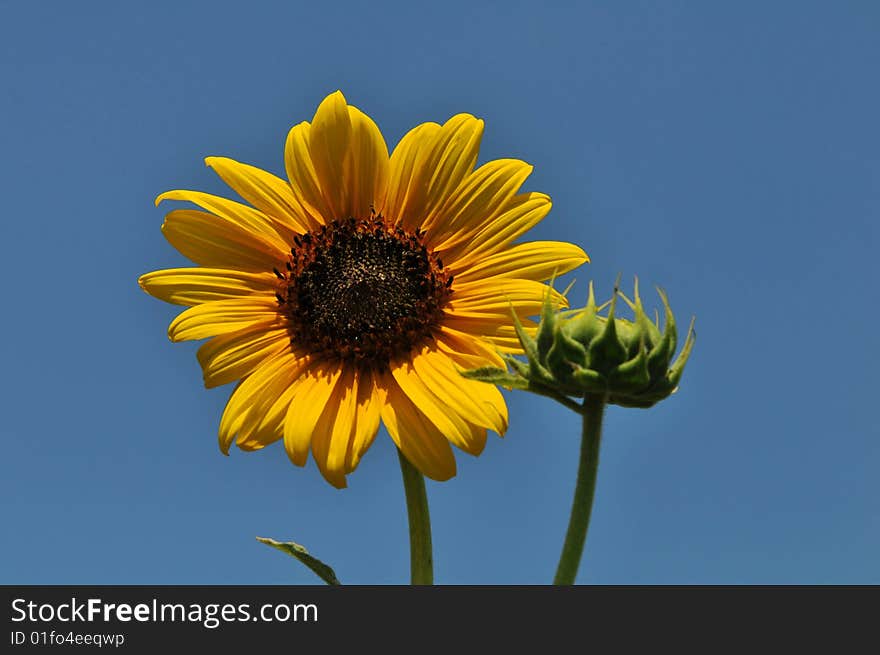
column 362, row 291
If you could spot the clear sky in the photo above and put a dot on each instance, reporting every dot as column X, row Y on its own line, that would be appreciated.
column 729, row 152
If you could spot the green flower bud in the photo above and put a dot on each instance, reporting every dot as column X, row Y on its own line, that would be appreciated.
column 583, row 352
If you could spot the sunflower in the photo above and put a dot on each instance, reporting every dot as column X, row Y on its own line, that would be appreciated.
column 354, row 292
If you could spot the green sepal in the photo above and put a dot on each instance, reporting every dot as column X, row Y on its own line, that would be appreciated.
column 633, row 374
column 626, row 401
column 563, row 355
column 590, row 381
column 299, row 552
column 630, row 336
column 661, row 354
column 520, row 367
column 546, row 328
column 675, row 372
column 648, row 331
column 536, row 370
column 606, row 350
column 495, row 375
column 585, row 324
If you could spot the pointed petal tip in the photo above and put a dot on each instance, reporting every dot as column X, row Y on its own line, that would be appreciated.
column 443, row 477
column 477, row 449
column 297, row 459
column 333, row 98
column 173, row 194
column 339, row 482
column 210, row 383
column 576, row 253
column 465, row 117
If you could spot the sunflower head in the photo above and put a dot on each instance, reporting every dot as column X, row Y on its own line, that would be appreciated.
column 351, row 293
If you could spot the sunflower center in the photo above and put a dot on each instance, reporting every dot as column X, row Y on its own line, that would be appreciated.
column 362, row 290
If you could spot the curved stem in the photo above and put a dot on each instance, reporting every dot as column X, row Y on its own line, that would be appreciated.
column 585, row 488
column 557, row 396
column 421, row 559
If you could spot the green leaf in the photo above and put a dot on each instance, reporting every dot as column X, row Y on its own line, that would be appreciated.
column 299, row 552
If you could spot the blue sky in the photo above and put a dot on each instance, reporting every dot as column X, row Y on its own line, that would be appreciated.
column 729, row 152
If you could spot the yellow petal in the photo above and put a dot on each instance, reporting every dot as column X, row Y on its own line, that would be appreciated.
column 268, row 193
column 520, row 214
column 255, row 433
column 233, row 356
column 314, row 388
column 501, row 336
column 538, row 260
column 216, row 243
column 450, row 160
column 500, row 297
column 467, row 351
column 370, row 399
column 249, row 393
column 461, row 429
column 233, row 416
column 193, row 286
column 222, row 316
column 335, row 428
column 480, row 199
column 246, row 218
column 405, row 201
column 477, row 402
column 432, row 163
column 366, row 165
column 302, row 175
column 350, row 158
column 266, row 421
column 420, row 441
column 329, row 143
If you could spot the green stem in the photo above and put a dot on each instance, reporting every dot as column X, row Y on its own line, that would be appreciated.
column 585, row 488
column 557, row 396
column 421, row 559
